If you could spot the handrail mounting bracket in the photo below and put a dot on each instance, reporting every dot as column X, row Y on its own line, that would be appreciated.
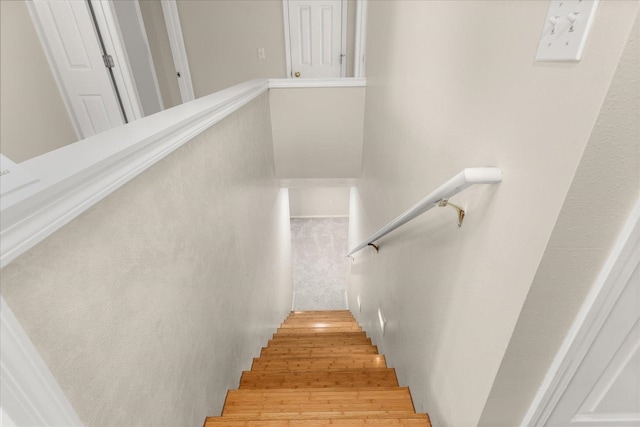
column 374, row 247
column 445, row 202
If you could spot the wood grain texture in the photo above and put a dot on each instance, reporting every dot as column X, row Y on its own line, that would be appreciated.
column 319, row 369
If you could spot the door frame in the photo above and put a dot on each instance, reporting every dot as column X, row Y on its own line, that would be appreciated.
column 178, row 50
column 595, row 310
column 145, row 37
column 114, row 44
column 358, row 42
column 112, row 27
column 112, row 39
column 360, row 38
column 123, row 76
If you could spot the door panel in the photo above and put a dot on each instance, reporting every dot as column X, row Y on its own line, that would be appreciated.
column 72, row 43
column 96, row 112
column 605, row 388
column 327, row 35
column 70, row 36
column 315, row 29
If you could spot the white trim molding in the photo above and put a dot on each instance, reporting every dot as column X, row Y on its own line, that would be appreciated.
column 145, row 38
column 30, row 395
column 287, row 38
column 75, row 177
column 176, row 41
column 343, row 38
column 361, row 38
column 327, row 82
column 596, row 309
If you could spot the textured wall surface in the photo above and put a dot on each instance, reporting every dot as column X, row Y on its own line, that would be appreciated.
column 319, row 263
column 447, row 89
column 147, row 307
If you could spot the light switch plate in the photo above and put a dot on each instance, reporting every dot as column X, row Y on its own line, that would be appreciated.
column 565, row 30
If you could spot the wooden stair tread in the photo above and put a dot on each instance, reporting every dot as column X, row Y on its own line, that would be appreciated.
column 307, row 330
column 316, row 400
column 326, row 335
column 322, row 419
column 319, row 363
column 311, row 313
column 327, row 415
column 372, row 377
column 317, row 351
column 319, row 323
column 319, row 369
column 318, row 341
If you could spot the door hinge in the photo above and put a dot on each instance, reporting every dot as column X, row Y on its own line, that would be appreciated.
column 108, row 61
column 342, row 58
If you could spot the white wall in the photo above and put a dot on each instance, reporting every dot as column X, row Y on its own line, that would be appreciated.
column 33, row 117
column 317, row 132
column 222, row 38
column 147, row 307
column 319, row 201
column 453, row 84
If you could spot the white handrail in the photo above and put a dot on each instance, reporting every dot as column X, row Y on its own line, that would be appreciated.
column 464, row 179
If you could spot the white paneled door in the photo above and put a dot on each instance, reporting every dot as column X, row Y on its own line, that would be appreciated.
column 605, row 390
column 315, row 33
column 72, row 43
column 595, row 380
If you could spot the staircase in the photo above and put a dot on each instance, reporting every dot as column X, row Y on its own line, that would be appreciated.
column 319, row 369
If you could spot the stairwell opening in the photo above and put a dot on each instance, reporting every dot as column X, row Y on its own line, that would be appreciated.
column 319, row 233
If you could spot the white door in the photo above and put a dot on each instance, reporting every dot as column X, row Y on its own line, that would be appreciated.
column 597, row 382
column 316, row 38
column 605, row 390
column 72, row 44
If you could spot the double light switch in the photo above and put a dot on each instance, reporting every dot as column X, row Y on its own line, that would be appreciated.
column 565, row 30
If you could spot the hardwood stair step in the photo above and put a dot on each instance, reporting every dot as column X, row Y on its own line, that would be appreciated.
column 319, row 369
column 317, row 400
column 318, row 324
column 392, row 419
column 304, row 331
column 372, row 377
column 320, row 335
column 317, row 342
column 324, row 415
column 328, row 313
column 317, row 351
column 319, row 363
